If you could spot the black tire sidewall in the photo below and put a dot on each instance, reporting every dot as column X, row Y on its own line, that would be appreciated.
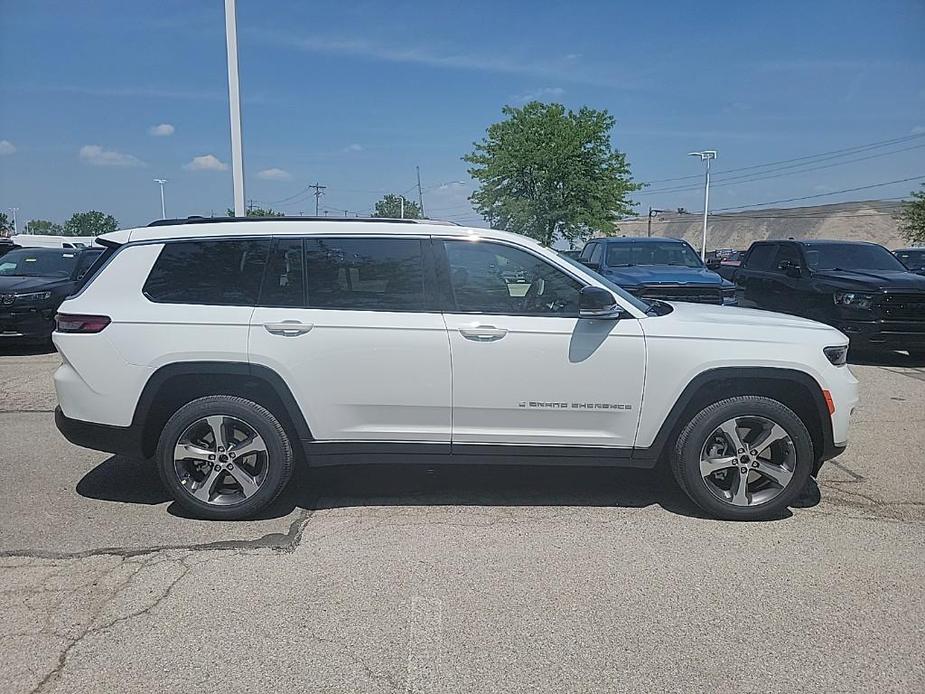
column 263, row 422
column 686, row 458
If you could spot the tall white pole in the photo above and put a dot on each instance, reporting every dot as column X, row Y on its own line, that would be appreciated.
column 402, row 198
column 234, row 104
column 13, row 211
column 161, row 182
column 706, row 212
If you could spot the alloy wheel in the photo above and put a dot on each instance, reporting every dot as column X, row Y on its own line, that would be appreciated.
column 748, row 460
column 220, row 460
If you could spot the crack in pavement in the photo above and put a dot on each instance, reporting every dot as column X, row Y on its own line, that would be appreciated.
column 282, row 542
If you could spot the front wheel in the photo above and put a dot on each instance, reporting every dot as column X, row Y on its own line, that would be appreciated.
column 744, row 458
column 224, row 457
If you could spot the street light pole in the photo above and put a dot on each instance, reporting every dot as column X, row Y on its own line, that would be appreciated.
column 161, row 182
column 706, row 157
column 234, row 105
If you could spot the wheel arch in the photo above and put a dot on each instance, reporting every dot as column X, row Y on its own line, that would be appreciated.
column 174, row 385
column 797, row 390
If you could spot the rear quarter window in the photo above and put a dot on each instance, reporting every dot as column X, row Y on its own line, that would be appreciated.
column 217, row 273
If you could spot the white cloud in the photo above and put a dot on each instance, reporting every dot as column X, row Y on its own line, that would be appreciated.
column 162, row 130
column 97, row 156
column 6, row 147
column 207, row 162
column 274, row 175
column 541, row 94
column 917, row 130
column 353, row 148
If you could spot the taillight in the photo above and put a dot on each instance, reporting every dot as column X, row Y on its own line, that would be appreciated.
column 73, row 323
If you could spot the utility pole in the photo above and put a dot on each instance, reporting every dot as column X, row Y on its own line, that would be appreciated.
column 234, row 105
column 706, row 157
column 161, row 182
column 402, row 199
column 319, row 191
column 420, row 192
column 652, row 213
column 13, row 211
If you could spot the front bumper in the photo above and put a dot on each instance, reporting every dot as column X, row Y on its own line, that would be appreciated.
column 125, row 441
column 29, row 323
column 882, row 334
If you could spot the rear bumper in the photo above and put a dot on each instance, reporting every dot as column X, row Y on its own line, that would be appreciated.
column 125, row 441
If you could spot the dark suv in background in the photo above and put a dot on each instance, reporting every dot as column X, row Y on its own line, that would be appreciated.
column 33, row 283
column 859, row 288
column 657, row 268
column 912, row 258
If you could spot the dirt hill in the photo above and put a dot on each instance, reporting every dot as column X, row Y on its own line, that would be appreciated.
column 869, row 220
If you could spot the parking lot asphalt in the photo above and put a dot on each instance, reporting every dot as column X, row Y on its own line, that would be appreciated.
column 385, row 578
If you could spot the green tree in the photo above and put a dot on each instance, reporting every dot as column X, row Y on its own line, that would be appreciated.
column 390, row 206
column 90, row 223
column 5, row 227
column 43, row 227
column 912, row 217
column 549, row 172
column 257, row 212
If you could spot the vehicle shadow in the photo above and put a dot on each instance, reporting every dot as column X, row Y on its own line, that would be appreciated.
column 885, row 358
column 131, row 481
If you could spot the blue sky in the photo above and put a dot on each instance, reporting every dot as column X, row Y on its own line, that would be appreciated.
column 355, row 94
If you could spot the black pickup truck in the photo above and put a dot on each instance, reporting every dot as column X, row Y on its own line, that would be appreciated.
column 860, row 288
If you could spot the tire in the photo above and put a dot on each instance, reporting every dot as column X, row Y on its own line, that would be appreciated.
column 776, row 472
column 233, row 481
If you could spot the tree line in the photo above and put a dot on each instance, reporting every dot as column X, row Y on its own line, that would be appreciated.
column 89, row 223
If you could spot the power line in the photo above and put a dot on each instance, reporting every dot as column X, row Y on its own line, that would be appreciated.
column 823, row 195
column 748, row 178
column 836, row 152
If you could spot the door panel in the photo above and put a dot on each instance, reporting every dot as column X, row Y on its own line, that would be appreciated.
column 358, row 375
column 526, row 369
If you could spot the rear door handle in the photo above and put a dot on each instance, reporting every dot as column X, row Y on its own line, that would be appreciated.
column 483, row 333
column 288, row 328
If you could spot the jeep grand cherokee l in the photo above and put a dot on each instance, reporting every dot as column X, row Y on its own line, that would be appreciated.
column 860, row 288
column 224, row 348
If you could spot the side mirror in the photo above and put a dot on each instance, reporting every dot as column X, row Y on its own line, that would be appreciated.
column 595, row 302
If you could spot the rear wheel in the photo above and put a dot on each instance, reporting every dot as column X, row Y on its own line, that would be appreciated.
column 224, row 457
column 744, row 458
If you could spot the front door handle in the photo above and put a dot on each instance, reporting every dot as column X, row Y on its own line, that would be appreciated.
column 483, row 333
column 288, row 328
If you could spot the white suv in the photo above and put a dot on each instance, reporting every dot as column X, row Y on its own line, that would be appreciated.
column 226, row 349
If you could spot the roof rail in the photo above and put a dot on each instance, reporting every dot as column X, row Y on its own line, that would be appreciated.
column 215, row 220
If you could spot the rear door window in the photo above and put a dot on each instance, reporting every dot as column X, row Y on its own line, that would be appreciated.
column 218, row 273
column 761, row 257
column 598, row 255
column 284, row 282
column 365, row 274
column 588, row 250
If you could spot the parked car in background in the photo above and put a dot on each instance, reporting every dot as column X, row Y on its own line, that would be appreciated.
column 6, row 245
column 912, row 258
column 33, row 283
column 725, row 263
column 657, row 268
column 860, row 288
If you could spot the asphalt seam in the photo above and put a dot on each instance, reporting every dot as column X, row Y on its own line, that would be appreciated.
column 284, row 543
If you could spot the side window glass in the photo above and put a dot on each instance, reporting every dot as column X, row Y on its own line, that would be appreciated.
column 587, row 251
column 492, row 278
column 761, row 257
column 283, row 284
column 598, row 255
column 786, row 253
column 217, row 273
column 365, row 274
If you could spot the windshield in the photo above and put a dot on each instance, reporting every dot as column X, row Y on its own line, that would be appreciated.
column 38, row 262
column 643, row 306
column 850, row 256
column 912, row 259
column 674, row 253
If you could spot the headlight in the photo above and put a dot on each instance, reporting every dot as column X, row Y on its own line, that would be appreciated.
column 854, row 300
column 31, row 298
column 837, row 355
column 729, row 295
